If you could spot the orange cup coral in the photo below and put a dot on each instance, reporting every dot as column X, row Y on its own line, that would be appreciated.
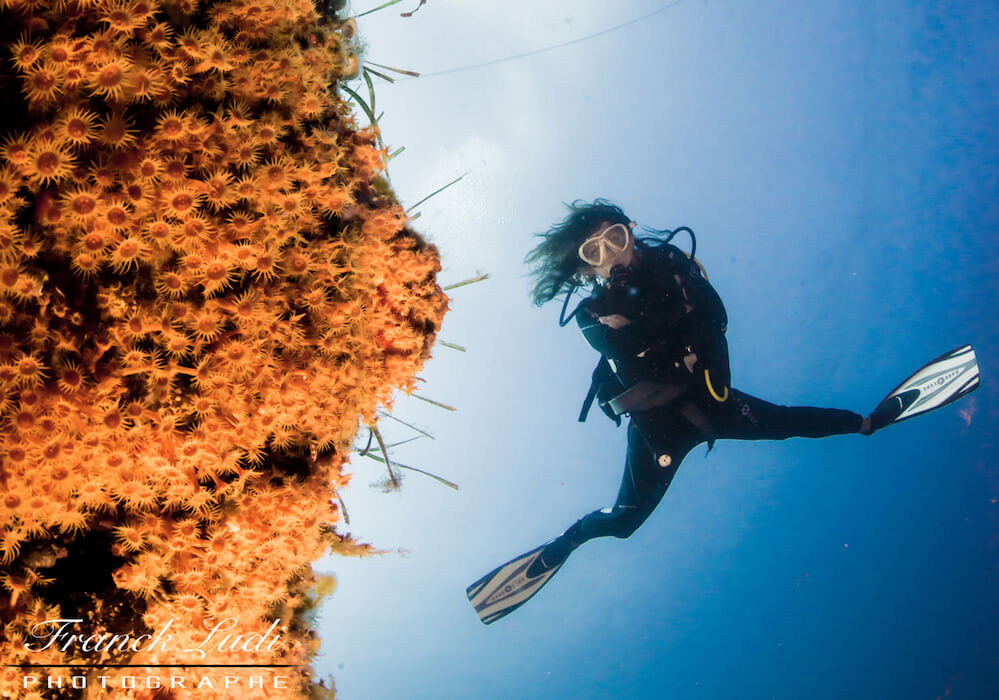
column 203, row 289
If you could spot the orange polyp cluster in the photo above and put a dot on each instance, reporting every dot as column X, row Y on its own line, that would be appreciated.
column 202, row 293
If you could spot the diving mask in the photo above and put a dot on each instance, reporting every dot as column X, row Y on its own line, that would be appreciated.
column 597, row 248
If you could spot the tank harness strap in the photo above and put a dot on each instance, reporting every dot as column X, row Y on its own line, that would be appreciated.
column 588, row 401
column 603, row 372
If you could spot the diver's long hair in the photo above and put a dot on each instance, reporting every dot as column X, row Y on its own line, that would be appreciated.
column 555, row 260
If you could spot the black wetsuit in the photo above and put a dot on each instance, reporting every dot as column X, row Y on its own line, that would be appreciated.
column 673, row 357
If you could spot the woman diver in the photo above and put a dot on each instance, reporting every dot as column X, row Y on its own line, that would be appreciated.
column 659, row 327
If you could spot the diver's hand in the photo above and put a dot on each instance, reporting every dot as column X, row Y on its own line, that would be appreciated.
column 615, row 321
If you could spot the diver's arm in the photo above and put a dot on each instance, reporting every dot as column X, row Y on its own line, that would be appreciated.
column 614, row 343
column 632, row 322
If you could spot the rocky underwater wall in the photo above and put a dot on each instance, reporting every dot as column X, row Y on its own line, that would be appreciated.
column 205, row 288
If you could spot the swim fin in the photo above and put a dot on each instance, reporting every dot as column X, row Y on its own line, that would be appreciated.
column 935, row 384
column 509, row 586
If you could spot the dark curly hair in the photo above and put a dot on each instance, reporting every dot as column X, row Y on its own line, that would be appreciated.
column 555, row 260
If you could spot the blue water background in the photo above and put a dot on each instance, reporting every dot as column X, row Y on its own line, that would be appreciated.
column 839, row 162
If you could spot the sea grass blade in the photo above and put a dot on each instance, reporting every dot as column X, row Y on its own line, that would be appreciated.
column 437, row 191
column 421, row 471
column 380, row 7
column 369, row 69
column 435, row 403
column 388, row 463
column 411, row 73
column 465, row 282
column 364, row 105
column 411, row 427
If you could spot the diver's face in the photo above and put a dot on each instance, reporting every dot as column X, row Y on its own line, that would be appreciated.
column 607, row 247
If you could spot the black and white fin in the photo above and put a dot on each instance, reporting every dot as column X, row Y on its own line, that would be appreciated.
column 509, row 586
column 937, row 383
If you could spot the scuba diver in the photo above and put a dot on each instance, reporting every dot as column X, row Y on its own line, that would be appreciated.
column 659, row 327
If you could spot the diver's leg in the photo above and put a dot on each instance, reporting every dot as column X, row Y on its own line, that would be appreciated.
column 648, row 473
column 749, row 418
